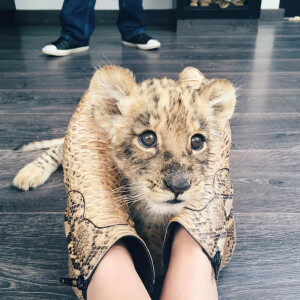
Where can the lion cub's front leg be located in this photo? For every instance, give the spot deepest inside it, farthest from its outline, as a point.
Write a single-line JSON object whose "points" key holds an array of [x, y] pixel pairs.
{"points": [[38, 171]]}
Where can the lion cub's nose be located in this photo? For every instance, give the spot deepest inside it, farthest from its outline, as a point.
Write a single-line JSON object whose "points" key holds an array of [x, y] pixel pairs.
{"points": [[177, 183]]}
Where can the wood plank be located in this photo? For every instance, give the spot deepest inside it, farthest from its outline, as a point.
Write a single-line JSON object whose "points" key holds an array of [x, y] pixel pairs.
{"points": [[171, 37], [52, 31], [265, 264], [126, 54], [33, 252], [193, 43], [170, 65], [38, 94], [210, 28], [264, 181], [249, 101], [14, 101], [265, 131], [18, 129], [34, 256], [267, 101], [79, 81], [250, 131]]}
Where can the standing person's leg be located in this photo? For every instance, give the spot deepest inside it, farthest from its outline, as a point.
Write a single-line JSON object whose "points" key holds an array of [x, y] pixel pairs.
{"points": [[77, 19], [131, 20], [131, 24]]}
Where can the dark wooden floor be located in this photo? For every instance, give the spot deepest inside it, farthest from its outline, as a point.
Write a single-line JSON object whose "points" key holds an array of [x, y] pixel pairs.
{"points": [[39, 93]]}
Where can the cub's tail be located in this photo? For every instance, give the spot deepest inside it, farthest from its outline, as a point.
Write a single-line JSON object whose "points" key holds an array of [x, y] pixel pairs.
{"points": [[38, 171], [40, 145]]}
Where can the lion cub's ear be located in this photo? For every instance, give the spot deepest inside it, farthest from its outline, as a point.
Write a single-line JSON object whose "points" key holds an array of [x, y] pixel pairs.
{"points": [[221, 98], [192, 77], [110, 89]]}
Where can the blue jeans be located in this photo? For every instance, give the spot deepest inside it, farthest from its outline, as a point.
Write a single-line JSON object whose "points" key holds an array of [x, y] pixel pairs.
{"points": [[77, 19]]}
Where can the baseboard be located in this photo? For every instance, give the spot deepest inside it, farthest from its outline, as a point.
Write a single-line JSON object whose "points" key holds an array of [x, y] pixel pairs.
{"points": [[7, 18], [155, 16], [7, 10], [217, 26], [270, 15], [292, 7]]}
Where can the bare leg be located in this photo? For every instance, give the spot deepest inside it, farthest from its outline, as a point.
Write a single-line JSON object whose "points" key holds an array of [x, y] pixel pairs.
{"points": [[116, 278], [190, 274]]}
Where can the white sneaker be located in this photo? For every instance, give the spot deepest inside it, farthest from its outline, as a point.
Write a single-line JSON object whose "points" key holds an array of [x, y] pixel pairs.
{"points": [[62, 47], [142, 42]]}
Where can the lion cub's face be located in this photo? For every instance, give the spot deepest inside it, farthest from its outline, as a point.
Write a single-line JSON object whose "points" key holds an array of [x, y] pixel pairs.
{"points": [[160, 132]]}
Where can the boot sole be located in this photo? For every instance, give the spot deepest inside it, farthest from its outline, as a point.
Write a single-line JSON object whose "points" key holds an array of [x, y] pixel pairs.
{"points": [[64, 52], [141, 46]]}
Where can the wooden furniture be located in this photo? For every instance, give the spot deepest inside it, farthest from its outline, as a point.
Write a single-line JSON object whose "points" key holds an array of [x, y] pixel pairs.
{"points": [[250, 10]]}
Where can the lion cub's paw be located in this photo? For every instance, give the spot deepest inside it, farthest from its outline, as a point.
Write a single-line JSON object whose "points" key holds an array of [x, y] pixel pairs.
{"points": [[30, 176]]}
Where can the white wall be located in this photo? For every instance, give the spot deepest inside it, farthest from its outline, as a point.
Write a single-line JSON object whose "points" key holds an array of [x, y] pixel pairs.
{"points": [[100, 4], [270, 4], [113, 4]]}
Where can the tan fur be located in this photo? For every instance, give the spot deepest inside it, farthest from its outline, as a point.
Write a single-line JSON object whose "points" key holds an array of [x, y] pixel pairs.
{"points": [[40, 145], [38, 171], [175, 111]]}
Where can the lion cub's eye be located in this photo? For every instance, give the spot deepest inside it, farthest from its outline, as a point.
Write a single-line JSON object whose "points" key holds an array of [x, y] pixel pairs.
{"points": [[148, 139], [197, 141]]}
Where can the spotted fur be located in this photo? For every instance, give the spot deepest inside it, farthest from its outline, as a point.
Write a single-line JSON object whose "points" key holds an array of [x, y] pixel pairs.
{"points": [[175, 111], [38, 171]]}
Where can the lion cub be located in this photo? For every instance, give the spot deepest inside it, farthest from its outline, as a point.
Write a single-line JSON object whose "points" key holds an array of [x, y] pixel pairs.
{"points": [[160, 133]]}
